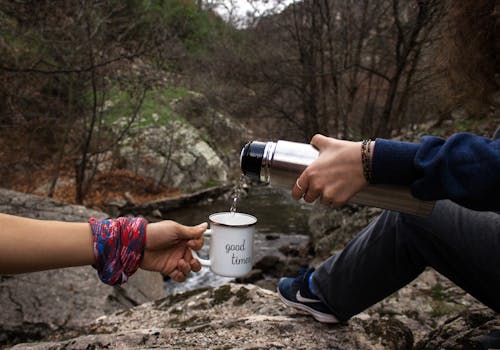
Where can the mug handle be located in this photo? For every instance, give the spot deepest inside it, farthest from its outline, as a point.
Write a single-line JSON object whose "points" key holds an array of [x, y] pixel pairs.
{"points": [[203, 262]]}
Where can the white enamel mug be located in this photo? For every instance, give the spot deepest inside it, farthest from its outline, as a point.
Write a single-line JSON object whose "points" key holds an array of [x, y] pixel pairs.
{"points": [[231, 244]]}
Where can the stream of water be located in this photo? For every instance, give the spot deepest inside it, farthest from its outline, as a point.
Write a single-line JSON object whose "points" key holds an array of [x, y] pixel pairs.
{"points": [[275, 210]]}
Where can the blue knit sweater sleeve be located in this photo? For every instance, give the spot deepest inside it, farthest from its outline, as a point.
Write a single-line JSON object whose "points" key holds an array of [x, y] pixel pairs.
{"points": [[464, 168]]}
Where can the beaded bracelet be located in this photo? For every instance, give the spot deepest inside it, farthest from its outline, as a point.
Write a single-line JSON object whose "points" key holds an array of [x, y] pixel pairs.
{"points": [[366, 160], [118, 247]]}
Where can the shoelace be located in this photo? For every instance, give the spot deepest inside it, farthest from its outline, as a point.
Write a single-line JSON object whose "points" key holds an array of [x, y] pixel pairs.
{"points": [[300, 276]]}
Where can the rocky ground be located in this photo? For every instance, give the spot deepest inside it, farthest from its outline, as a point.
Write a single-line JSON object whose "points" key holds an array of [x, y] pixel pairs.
{"points": [[248, 317], [72, 310]]}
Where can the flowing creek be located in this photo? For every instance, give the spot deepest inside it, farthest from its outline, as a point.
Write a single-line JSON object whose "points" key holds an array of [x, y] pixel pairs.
{"points": [[281, 220]]}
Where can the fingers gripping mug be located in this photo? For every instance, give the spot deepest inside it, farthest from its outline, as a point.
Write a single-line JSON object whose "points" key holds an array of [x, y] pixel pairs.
{"points": [[231, 244]]}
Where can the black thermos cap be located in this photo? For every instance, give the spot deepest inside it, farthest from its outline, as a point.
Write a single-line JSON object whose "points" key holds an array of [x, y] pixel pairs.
{"points": [[251, 159]]}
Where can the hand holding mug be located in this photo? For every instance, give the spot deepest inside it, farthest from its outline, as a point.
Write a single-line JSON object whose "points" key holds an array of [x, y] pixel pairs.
{"points": [[169, 248]]}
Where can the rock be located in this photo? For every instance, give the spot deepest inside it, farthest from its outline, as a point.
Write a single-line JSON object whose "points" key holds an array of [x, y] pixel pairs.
{"points": [[224, 134], [271, 264], [463, 331], [62, 182], [157, 208], [495, 99], [231, 317], [156, 213], [36, 304], [251, 277], [279, 256], [35, 207], [174, 154], [426, 302], [269, 284], [331, 229], [282, 247], [459, 114], [190, 146], [113, 207]]}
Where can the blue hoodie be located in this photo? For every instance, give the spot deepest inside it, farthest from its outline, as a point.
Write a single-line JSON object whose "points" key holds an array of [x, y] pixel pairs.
{"points": [[464, 168]]}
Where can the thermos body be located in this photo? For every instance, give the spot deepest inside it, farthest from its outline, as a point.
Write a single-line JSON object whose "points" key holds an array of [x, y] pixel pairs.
{"points": [[281, 163], [284, 161]]}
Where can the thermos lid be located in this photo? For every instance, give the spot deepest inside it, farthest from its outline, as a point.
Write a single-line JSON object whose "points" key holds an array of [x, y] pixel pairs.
{"points": [[251, 159]]}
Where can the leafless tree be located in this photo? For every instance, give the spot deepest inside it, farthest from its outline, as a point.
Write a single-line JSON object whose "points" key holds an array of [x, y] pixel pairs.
{"points": [[341, 67], [80, 51]]}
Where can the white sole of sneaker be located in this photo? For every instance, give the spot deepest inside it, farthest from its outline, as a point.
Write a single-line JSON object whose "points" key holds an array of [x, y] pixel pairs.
{"points": [[319, 316]]}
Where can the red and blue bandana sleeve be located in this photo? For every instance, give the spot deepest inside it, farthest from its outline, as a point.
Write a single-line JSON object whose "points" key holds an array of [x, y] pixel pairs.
{"points": [[118, 247]]}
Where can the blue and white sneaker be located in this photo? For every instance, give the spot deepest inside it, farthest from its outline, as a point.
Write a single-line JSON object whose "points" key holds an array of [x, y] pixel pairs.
{"points": [[295, 292]]}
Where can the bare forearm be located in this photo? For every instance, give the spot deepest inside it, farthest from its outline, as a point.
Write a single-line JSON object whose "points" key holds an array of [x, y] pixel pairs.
{"points": [[32, 245]]}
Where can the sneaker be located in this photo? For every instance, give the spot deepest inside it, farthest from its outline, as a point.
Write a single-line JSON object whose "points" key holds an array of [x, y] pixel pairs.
{"points": [[295, 292]]}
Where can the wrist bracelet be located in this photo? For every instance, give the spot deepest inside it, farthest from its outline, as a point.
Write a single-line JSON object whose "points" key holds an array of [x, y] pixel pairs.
{"points": [[366, 160], [118, 247]]}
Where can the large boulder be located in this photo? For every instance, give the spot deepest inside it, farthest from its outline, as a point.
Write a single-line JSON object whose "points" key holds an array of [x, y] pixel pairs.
{"points": [[187, 144], [231, 317], [36, 304], [173, 154], [223, 133], [248, 317]]}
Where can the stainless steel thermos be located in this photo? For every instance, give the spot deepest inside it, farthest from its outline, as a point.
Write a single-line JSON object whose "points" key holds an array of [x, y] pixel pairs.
{"points": [[280, 164]]}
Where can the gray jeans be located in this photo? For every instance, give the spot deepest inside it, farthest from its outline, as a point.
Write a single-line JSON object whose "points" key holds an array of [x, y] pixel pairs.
{"points": [[461, 244]]}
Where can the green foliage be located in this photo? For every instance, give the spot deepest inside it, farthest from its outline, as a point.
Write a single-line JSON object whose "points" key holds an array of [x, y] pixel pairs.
{"points": [[158, 102], [173, 93], [443, 303], [438, 292], [211, 183], [442, 308], [464, 125], [473, 123], [437, 132], [155, 108], [183, 19], [222, 294]]}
